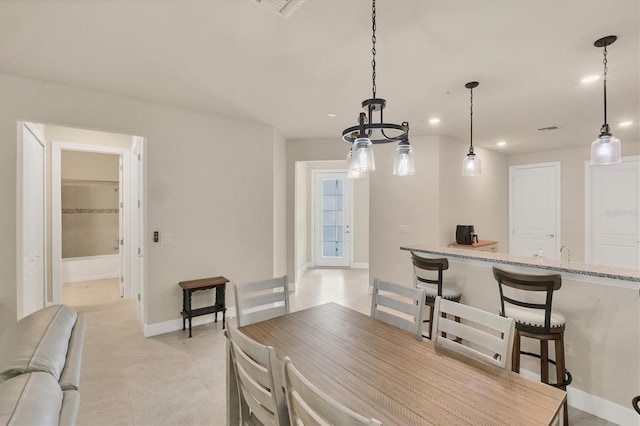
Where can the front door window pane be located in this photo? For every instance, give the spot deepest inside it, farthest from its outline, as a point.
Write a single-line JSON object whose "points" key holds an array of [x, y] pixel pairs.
{"points": [[332, 216]]}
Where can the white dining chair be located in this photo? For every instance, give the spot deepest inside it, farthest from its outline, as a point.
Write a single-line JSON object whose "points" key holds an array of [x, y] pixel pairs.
{"points": [[261, 300], [479, 334], [398, 305], [259, 381], [308, 405]]}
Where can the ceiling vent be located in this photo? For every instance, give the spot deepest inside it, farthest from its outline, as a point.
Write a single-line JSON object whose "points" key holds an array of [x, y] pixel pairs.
{"points": [[284, 8], [548, 129]]}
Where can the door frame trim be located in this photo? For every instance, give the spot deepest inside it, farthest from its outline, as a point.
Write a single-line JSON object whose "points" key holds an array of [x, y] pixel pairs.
{"points": [[558, 167], [312, 182]]}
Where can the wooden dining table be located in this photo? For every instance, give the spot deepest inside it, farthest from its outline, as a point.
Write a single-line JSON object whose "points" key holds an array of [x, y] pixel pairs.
{"points": [[386, 373]]}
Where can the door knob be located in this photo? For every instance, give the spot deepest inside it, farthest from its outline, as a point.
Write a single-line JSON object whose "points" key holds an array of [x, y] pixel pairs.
{"points": [[551, 235]]}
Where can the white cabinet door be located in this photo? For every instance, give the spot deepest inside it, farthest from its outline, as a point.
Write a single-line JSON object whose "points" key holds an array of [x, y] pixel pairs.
{"points": [[534, 199], [613, 214], [33, 222]]}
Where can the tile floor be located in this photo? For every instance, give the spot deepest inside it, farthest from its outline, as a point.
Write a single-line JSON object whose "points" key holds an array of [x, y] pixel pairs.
{"points": [[128, 379]]}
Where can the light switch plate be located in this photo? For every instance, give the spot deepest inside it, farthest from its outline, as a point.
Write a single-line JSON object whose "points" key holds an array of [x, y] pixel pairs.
{"points": [[166, 238]]}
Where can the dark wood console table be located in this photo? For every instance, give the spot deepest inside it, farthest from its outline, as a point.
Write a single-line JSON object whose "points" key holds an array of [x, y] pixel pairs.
{"points": [[188, 287]]}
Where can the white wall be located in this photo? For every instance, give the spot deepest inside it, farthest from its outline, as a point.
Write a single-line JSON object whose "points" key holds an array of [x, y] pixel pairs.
{"points": [[89, 166], [411, 201], [279, 205], [481, 201], [221, 216]]}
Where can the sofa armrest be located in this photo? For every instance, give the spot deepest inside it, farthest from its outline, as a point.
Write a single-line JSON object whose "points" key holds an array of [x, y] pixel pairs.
{"points": [[70, 408], [30, 399], [70, 376]]}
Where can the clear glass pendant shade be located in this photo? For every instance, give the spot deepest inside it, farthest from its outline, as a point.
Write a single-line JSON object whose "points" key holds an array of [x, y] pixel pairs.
{"points": [[471, 165], [351, 172], [606, 150], [362, 156], [403, 160]]}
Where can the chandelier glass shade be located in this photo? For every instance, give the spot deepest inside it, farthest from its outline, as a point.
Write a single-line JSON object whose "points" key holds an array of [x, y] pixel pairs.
{"points": [[471, 163], [371, 129], [403, 160], [607, 149]]}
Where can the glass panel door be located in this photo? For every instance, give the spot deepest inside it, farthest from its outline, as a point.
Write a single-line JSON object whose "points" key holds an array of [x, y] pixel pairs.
{"points": [[332, 199]]}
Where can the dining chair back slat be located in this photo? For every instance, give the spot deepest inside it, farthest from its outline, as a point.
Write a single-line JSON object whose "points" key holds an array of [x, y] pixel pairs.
{"points": [[308, 405], [261, 300], [258, 377], [398, 305], [478, 334]]}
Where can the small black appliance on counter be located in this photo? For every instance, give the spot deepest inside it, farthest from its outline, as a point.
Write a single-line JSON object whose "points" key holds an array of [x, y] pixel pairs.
{"points": [[465, 234]]}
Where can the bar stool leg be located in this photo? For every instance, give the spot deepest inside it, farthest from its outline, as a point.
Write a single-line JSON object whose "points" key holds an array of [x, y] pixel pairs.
{"points": [[515, 356], [431, 321], [544, 361], [560, 367]]}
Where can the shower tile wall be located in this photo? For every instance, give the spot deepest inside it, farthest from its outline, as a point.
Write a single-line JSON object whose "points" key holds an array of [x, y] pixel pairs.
{"points": [[89, 218]]}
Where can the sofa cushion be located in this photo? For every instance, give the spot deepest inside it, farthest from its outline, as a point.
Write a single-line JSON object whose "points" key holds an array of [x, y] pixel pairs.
{"points": [[30, 399], [38, 342]]}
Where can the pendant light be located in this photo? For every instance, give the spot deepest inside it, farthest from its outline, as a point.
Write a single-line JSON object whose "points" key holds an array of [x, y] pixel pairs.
{"points": [[607, 148], [471, 163], [370, 131]]}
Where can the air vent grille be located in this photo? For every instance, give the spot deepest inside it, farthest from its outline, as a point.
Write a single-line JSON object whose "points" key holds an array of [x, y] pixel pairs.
{"points": [[284, 8]]}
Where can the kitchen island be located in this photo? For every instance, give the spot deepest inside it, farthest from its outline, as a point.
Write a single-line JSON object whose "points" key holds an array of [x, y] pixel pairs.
{"points": [[602, 308]]}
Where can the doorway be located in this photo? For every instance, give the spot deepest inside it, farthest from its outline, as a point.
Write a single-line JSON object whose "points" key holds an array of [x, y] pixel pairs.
{"points": [[534, 210], [332, 218], [90, 192]]}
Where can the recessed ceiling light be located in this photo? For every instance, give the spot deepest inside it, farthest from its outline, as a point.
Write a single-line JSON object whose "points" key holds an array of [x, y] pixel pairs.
{"points": [[625, 123], [590, 79], [331, 115], [434, 120], [501, 143]]}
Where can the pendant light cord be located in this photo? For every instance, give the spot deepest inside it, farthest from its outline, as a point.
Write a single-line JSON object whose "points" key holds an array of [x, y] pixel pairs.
{"points": [[605, 126], [471, 123], [373, 48]]}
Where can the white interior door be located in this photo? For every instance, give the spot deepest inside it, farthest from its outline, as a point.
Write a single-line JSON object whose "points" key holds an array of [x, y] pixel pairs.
{"points": [[138, 201], [332, 218], [121, 250], [613, 218], [33, 286], [534, 210]]}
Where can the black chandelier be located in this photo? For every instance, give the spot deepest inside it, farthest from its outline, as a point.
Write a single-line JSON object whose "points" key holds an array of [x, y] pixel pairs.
{"points": [[368, 131]]}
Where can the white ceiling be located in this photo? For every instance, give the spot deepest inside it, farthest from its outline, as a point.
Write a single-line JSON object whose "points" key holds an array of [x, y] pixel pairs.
{"points": [[235, 58]]}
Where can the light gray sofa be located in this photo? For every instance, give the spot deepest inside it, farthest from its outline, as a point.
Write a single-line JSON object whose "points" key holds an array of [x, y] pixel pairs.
{"points": [[40, 358]]}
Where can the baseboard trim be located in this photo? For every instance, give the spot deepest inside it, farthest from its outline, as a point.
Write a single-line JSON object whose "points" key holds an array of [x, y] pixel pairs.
{"points": [[302, 270], [594, 405], [156, 329], [359, 265]]}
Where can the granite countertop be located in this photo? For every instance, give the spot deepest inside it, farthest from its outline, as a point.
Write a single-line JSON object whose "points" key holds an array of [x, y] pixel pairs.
{"points": [[612, 272]]}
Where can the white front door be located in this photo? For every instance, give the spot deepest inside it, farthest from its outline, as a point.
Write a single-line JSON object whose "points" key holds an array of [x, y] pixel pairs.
{"points": [[332, 218], [33, 286], [613, 214], [534, 210]]}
